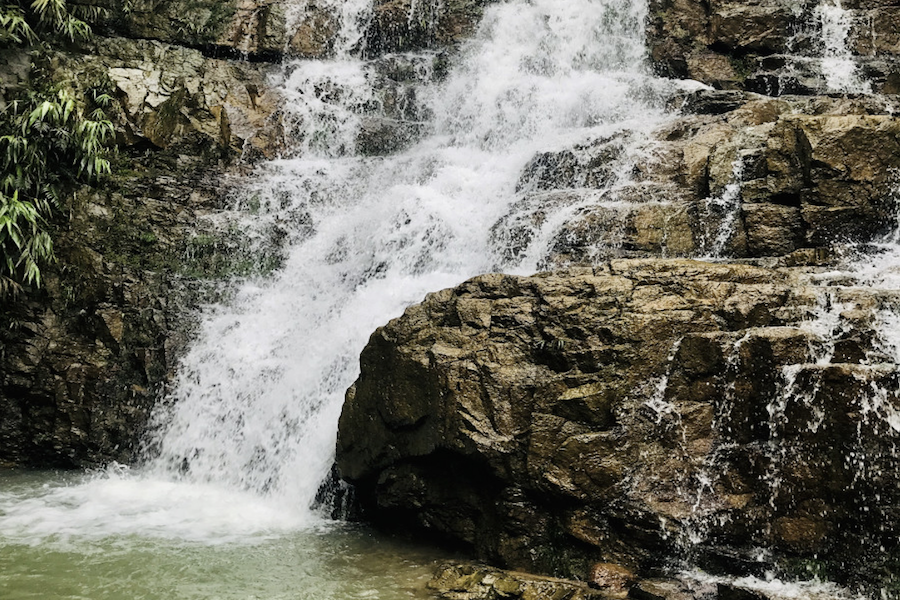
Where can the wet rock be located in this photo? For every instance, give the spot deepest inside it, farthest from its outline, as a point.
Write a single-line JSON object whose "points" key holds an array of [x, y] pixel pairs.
{"points": [[15, 73], [315, 33], [769, 47], [742, 176], [547, 406], [772, 229], [613, 580], [732, 592], [404, 25], [763, 27], [379, 135], [190, 23], [249, 27], [84, 359], [712, 102], [468, 581], [661, 589], [608, 414], [708, 42]]}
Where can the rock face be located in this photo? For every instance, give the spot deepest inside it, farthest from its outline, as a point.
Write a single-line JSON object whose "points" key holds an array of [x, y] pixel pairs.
{"points": [[403, 25], [267, 29], [635, 413], [774, 47], [172, 95], [738, 175], [84, 359]]}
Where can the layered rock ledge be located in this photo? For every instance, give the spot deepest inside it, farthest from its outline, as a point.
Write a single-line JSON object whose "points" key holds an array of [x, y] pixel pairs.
{"points": [[640, 413]]}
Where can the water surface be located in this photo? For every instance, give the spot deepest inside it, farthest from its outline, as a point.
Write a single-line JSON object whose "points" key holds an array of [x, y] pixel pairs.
{"points": [[48, 551]]}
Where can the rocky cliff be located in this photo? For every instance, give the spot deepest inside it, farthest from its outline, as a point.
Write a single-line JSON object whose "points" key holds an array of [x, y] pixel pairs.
{"points": [[650, 412], [85, 357]]}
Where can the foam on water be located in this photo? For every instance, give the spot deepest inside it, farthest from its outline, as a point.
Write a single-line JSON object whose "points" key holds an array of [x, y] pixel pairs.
{"points": [[118, 503], [777, 589]]}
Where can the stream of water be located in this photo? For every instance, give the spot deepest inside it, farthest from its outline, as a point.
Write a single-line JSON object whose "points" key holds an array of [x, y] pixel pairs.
{"points": [[247, 435], [223, 507]]}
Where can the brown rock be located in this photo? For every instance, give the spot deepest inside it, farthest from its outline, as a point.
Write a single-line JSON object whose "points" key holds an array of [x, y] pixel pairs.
{"points": [[627, 406], [713, 69], [614, 580], [315, 33], [466, 581]]}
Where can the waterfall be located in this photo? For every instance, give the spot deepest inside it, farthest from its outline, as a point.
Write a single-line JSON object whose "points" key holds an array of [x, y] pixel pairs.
{"points": [[395, 173], [256, 401], [837, 64]]}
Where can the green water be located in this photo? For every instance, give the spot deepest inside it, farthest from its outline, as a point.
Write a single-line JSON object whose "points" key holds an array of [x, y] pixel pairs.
{"points": [[320, 562]]}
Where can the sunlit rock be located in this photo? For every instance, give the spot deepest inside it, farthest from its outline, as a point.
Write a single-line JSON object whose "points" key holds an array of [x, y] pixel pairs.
{"points": [[646, 409]]}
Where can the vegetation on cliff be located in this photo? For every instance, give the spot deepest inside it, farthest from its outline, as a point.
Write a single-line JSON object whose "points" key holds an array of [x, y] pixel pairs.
{"points": [[49, 140]]}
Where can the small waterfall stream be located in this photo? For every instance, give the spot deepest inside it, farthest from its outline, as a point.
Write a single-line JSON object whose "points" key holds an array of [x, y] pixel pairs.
{"points": [[837, 64]]}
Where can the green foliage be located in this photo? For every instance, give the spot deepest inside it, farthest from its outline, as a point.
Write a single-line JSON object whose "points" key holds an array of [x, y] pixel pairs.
{"points": [[48, 142], [28, 22], [14, 28]]}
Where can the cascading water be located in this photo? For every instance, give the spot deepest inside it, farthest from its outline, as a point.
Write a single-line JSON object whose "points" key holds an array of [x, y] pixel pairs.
{"points": [[244, 440], [818, 56], [837, 65], [257, 399]]}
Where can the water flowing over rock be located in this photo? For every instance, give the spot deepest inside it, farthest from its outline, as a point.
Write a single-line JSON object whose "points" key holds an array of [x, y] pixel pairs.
{"points": [[639, 413], [738, 175], [776, 48], [627, 414]]}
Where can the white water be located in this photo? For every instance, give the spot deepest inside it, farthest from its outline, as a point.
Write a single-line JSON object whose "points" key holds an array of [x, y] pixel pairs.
{"points": [[775, 588], [837, 64], [247, 434], [722, 213]]}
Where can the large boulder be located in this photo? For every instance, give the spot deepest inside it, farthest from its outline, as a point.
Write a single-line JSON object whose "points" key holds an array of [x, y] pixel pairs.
{"points": [[626, 414]]}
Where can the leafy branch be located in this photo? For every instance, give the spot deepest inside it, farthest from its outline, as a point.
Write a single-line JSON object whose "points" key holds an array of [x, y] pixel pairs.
{"points": [[23, 22], [49, 141]]}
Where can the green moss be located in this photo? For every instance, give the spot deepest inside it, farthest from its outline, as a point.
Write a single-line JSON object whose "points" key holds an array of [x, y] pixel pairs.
{"points": [[226, 254], [743, 66], [806, 568], [195, 22]]}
